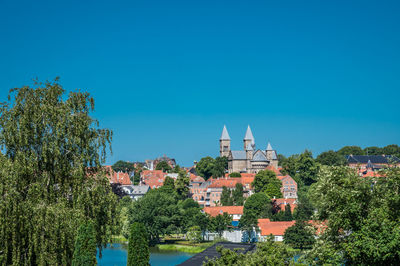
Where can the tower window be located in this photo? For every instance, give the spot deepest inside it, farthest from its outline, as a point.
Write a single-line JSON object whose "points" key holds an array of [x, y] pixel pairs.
{"points": [[225, 148]]}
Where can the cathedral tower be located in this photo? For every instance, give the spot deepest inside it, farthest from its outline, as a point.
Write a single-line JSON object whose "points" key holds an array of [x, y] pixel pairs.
{"points": [[224, 143], [248, 139]]}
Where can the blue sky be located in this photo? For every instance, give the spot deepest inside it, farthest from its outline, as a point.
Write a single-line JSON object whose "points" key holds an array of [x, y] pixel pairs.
{"points": [[167, 75]]}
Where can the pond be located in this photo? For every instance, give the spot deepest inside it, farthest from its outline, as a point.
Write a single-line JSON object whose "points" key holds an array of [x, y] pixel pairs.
{"points": [[117, 254]]}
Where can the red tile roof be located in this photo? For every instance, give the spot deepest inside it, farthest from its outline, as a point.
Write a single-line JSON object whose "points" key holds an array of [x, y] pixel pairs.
{"points": [[273, 169], [117, 177], [214, 211], [275, 228], [283, 202], [224, 182]]}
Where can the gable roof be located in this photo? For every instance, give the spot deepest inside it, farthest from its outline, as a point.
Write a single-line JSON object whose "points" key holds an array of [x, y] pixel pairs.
{"points": [[374, 159], [214, 211], [269, 147], [275, 228], [225, 135], [259, 156], [228, 182], [238, 155]]}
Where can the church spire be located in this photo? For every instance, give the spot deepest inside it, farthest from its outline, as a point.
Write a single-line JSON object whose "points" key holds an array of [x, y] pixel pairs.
{"points": [[225, 134], [249, 134], [269, 147]]}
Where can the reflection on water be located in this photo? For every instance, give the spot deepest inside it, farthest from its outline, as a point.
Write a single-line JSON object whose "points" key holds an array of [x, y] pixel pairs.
{"points": [[116, 255]]}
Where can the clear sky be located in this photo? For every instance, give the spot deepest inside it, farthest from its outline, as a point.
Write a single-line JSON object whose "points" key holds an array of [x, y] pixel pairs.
{"points": [[167, 75]]}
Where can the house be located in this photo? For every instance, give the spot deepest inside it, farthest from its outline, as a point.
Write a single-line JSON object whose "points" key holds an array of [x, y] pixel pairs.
{"points": [[362, 162], [250, 159], [277, 229], [117, 177], [235, 211], [136, 192], [289, 187], [214, 189], [198, 189], [153, 178], [281, 203], [151, 164]]}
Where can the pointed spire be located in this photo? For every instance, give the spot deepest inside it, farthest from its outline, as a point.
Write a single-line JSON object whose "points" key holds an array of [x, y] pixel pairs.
{"points": [[269, 147], [370, 165], [225, 135], [249, 134]]}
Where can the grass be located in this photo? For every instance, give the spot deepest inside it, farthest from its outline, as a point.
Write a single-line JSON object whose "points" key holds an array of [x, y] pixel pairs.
{"points": [[184, 246], [119, 239]]}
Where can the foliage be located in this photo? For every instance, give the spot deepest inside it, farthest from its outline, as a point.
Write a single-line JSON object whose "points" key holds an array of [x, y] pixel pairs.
{"points": [[226, 199], [354, 150], [85, 246], [363, 215], [237, 195], [208, 167], [138, 249], [194, 234], [158, 212], [123, 206], [164, 166], [256, 206], [52, 149], [205, 167], [235, 174], [168, 185], [331, 158], [220, 223], [182, 185], [304, 209], [266, 181], [122, 166], [287, 216], [267, 253], [220, 165], [116, 188], [299, 236]]}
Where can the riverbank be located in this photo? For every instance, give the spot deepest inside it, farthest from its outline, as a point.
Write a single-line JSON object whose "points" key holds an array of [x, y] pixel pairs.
{"points": [[185, 246]]}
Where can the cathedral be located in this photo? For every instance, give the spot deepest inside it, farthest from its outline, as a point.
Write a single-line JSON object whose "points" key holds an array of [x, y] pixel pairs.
{"points": [[250, 159]]}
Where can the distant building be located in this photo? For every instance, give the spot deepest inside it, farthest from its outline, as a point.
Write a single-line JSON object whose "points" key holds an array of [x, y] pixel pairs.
{"points": [[281, 203], [235, 212], [151, 164], [277, 229], [117, 177], [289, 187], [250, 159], [136, 192], [362, 162]]}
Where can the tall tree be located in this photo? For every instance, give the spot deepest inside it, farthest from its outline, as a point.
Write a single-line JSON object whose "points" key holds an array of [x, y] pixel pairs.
{"points": [[287, 216], [256, 206], [182, 185], [354, 150], [205, 167], [164, 166], [237, 195], [220, 165], [122, 166], [138, 248], [306, 168], [299, 236], [226, 199], [266, 181], [331, 158], [220, 223], [85, 246], [51, 179]]}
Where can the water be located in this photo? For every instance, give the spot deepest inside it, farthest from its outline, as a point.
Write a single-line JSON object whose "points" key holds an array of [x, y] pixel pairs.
{"points": [[116, 255]]}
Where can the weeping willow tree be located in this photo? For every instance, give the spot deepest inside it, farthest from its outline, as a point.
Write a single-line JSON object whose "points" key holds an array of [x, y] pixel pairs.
{"points": [[50, 175]]}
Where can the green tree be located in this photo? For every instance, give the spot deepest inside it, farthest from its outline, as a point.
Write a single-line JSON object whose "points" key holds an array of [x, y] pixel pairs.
{"points": [[123, 206], [392, 149], [235, 174], [266, 181], [237, 195], [168, 185], [226, 199], [164, 166], [363, 215], [304, 209], [85, 246], [220, 165], [158, 212], [205, 167], [182, 185], [256, 206], [354, 150], [331, 158], [138, 248], [373, 150], [220, 223], [122, 166], [287, 216], [51, 180], [299, 236], [267, 253], [306, 168], [194, 234]]}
